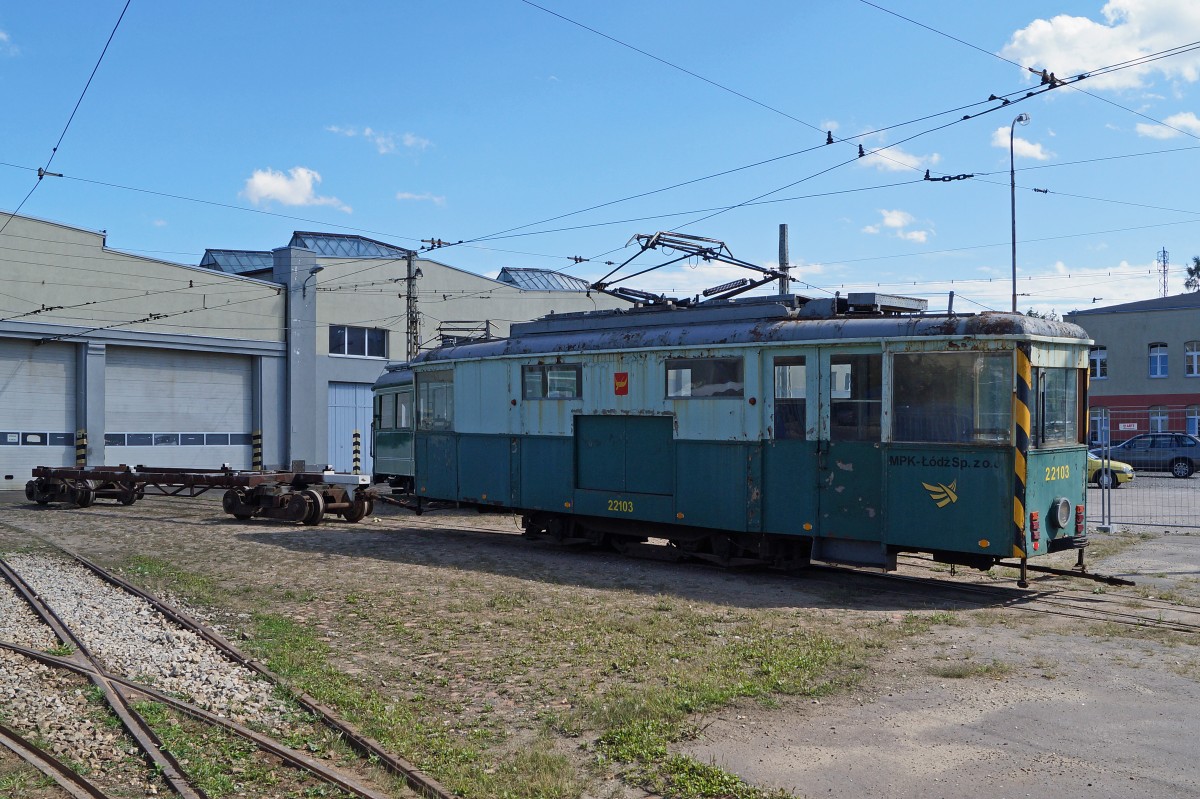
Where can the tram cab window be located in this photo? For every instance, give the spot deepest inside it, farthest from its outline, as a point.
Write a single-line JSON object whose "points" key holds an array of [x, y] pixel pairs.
{"points": [[1054, 407], [704, 378], [855, 397], [953, 397], [790, 397], [387, 414], [435, 401]]}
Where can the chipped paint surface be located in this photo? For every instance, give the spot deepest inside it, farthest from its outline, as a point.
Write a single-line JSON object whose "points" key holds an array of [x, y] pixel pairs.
{"points": [[845, 467]]}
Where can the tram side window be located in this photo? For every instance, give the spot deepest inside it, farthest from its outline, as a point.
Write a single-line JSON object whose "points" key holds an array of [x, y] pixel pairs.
{"points": [[952, 397], [388, 411], [790, 397], [1055, 410], [435, 401], [552, 381], [703, 378], [855, 397], [404, 411]]}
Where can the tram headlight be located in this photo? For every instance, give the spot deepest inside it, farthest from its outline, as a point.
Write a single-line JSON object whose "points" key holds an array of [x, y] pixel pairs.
{"points": [[1061, 513]]}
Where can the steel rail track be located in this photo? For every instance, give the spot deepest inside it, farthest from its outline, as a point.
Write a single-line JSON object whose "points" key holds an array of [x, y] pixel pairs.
{"points": [[417, 780], [52, 767], [133, 722], [1110, 598], [1005, 595], [290, 756], [1023, 601]]}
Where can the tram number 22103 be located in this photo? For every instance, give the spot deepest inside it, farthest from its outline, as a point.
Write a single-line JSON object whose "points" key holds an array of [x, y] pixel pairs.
{"points": [[1058, 473], [620, 506]]}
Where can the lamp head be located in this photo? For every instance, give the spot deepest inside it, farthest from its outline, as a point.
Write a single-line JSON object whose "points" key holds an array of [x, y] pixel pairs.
{"points": [[1023, 119]]}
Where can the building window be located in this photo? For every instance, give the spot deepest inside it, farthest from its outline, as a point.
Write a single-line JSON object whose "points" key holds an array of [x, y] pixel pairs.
{"points": [[1158, 419], [552, 381], [1098, 363], [1192, 419], [1191, 359], [365, 342], [703, 378], [1158, 360]]}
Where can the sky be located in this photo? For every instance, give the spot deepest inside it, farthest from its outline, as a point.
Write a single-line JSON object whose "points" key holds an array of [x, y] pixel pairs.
{"points": [[542, 134]]}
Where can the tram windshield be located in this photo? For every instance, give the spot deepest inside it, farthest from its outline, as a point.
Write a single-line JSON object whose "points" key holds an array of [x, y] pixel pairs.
{"points": [[955, 397], [1055, 409]]}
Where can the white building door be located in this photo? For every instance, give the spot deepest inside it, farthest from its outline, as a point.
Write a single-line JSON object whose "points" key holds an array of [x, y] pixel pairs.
{"points": [[37, 408], [349, 410]]}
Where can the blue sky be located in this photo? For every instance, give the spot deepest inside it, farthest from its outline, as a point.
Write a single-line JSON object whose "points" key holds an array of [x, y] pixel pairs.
{"points": [[458, 121]]}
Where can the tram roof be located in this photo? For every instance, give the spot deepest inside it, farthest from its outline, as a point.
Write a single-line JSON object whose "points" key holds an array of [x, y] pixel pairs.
{"points": [[395, 374], [760, 320]]}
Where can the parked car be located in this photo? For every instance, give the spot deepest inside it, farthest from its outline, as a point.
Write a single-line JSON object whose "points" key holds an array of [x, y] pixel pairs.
{"points": [[1177, 453], [1116, 475]]}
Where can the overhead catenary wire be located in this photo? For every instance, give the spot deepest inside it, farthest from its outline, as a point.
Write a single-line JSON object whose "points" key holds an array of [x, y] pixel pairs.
{"points": [[54, 151]]}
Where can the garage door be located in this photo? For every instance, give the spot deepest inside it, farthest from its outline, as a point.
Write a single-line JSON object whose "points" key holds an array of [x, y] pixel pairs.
{"points": [[349, 410], [177, 408], [37, 408]]}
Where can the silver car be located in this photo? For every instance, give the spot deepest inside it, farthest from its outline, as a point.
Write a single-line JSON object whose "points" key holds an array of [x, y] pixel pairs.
{"points": [[1177, 453]]}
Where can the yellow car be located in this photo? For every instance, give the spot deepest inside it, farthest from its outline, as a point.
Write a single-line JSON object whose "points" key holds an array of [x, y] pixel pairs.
{"points": [[1097, 474]]}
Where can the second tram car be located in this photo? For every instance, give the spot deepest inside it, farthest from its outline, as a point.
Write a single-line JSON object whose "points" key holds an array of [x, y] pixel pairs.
{"points": [[773, 429]]}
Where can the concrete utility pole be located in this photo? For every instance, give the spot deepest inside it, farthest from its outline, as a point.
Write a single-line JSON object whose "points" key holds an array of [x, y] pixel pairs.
{"points": [[784, 282]]}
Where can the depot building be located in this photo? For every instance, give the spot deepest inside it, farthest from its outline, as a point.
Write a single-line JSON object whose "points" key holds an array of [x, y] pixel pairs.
{"points": [[113, 358]]}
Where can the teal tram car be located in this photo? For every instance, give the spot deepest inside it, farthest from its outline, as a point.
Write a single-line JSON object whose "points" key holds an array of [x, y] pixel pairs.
{"points": [[392, 426], [775, 429]]}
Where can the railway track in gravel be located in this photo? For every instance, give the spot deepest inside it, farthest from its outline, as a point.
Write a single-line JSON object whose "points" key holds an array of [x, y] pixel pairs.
{"points": [[74, 654], [1110, 607]]}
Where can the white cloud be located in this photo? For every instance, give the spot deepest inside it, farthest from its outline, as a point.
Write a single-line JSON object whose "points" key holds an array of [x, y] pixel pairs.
{"points": [[898, 222], [436, 199], [297, 187], [1175, 125], [1067, 45], [893, 159], [159, 223], [6, 45], [384, 142], [1022, 148], [414, 142]]}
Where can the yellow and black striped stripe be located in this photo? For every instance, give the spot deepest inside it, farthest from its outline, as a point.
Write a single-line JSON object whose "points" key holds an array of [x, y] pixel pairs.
{"points": [[256, 462], [81, 447], [1021, 417]]}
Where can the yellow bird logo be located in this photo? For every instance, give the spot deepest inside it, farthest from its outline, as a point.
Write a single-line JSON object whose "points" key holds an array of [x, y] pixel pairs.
{"points": [[943, 495]]}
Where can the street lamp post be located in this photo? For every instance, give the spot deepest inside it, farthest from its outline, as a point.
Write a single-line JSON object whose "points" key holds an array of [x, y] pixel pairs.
{"points": [[1012, 183]]}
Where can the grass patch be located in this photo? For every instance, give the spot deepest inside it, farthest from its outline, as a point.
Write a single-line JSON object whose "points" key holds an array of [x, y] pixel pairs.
{"points": [[965, 669], [223, 764], [156, 574]]}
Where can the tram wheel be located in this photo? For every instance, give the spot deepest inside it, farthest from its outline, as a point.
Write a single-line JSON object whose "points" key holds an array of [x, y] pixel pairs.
{"points": [[85, 494]]}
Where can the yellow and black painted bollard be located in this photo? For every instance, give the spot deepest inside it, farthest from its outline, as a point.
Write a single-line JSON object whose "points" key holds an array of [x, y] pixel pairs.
{"points": [[357, 453], [81, 447], [256, 441]]}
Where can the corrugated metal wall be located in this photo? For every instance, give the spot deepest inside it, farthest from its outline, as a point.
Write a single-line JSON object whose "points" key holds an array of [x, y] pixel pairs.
{"points": [[37, 408], [178, 408], [349, 410]]}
